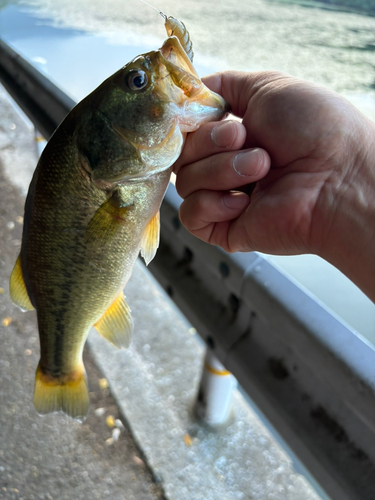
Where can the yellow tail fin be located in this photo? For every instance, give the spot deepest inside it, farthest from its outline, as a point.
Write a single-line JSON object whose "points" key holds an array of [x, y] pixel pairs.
{"points": [[68, 394]]}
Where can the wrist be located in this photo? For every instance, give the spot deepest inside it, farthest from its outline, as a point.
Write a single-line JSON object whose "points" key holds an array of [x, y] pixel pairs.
{"points": [[349, 236]]}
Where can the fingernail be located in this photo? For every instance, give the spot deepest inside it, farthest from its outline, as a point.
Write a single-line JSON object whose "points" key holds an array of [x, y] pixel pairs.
{"points": [[247, 164], [224, 134], [235, 200]]}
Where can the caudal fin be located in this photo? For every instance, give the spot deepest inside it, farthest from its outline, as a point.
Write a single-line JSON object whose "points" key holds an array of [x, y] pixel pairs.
{"points": [[68, 393]]}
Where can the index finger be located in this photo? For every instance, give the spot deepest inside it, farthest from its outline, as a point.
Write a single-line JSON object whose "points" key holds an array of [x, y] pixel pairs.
{"points": [[210, 139]]}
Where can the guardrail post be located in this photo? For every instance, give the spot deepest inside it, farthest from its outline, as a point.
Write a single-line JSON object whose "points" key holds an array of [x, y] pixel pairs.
{"points": [[215, 391]]}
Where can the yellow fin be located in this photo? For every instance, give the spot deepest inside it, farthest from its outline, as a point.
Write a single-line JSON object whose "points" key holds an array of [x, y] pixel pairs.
{"points": [[150, 239], [18, 292], [116, 324], [107, 220], [68, 394]]}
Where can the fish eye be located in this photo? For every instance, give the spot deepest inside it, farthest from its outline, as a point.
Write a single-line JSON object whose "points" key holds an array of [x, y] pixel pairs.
{"points": [[136, 79]]}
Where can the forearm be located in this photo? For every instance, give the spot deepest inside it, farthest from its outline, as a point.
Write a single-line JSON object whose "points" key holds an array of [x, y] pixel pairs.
{"points": [[350, 243]]}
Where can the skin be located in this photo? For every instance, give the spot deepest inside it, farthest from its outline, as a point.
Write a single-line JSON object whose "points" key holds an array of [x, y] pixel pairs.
{"points": [[307, 181]]}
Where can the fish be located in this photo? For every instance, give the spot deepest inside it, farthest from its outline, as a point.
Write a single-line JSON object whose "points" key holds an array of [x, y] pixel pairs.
{"points": [[93, 207]]}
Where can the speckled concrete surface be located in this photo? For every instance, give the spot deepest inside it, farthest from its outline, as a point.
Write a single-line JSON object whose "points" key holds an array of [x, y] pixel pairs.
{"points": [[52, 457]]}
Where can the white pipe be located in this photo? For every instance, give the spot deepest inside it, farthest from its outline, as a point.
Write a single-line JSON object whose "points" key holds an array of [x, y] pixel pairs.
{"points": [[215, 392]]}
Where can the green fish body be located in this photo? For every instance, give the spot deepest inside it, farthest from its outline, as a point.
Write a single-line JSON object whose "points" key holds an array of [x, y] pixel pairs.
{"points": [[93, 206]]}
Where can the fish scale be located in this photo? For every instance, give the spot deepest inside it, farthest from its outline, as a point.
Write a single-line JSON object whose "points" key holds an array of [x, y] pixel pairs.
{"points": [[93, 206]]}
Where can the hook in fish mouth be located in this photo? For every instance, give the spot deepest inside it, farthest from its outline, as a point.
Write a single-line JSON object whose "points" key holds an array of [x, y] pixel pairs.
{"points": [[185, 87], [180, 67]]}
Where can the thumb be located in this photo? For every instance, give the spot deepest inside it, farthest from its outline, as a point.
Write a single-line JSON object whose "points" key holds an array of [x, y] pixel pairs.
{"points": [[238, 87]]}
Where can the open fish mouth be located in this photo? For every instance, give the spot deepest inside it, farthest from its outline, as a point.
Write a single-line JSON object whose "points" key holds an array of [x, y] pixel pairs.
{"points": [[181, 83]]}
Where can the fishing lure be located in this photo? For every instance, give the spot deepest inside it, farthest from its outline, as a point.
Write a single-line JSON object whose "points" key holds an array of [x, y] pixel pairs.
{"points": [[176, 28]]}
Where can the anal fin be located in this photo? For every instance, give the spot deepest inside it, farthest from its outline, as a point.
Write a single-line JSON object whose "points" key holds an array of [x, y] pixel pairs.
{"points": [[116, 324], [17, 288], [68, 393], [150, 239]]}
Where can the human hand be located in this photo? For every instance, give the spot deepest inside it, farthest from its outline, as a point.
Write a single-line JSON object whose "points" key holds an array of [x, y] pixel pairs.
{"points": [[311, 146]]}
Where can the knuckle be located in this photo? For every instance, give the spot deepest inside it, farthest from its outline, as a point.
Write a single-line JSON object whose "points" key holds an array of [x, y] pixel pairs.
{"points": [[218, 168], [185, 216], [212, 166], [200, 143], [191, 210], [199, 203], [180, 184], [197, 146]]}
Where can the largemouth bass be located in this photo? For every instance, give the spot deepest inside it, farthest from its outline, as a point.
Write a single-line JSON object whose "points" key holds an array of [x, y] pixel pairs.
{"points": [[93, 206]]}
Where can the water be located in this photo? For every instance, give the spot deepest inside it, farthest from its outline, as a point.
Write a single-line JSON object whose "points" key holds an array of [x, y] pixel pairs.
{"points": [[81, 42], [332, 48]]}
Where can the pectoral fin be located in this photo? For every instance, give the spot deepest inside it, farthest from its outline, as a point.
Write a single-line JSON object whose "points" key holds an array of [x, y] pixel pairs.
{"points": [[108, 219], [116, 324], [18, 292], [150, 239]]}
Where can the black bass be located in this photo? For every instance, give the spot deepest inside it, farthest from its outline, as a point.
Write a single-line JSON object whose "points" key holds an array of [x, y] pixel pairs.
{"points": [[93, 206]]}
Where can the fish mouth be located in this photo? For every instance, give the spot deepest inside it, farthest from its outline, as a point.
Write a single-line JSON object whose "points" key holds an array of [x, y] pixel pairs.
{"points": [[180, 83]]}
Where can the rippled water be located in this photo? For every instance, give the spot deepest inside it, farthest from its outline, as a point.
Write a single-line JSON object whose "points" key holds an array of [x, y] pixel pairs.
{"points": [[332, 48]]}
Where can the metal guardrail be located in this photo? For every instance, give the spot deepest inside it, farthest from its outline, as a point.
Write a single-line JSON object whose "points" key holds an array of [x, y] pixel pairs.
{"points": [[311, 376], [44, 103]]}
